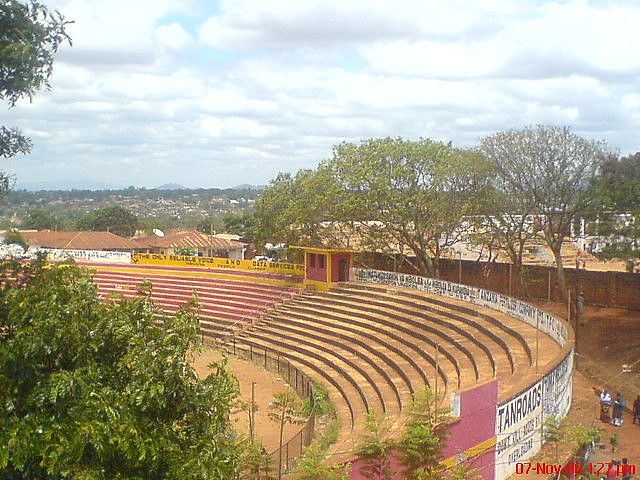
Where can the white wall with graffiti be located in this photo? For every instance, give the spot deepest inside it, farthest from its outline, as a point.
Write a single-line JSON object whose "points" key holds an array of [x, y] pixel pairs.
{"points": [[98, 256], [62, 254], [519, 419]]}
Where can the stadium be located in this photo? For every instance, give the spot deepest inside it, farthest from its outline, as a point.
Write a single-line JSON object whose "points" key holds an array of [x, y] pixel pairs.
{"points": [[373, 338]]}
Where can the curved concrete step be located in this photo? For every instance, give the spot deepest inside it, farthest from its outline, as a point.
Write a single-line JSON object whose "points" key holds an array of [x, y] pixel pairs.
{"points": [[393, 382]]}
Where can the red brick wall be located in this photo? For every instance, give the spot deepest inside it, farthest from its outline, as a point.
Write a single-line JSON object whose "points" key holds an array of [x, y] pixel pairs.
{"points": [[615, 289]]}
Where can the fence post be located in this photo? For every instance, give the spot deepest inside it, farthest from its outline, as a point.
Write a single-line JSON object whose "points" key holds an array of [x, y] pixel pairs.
{"points": [[265, 358], [251, 352], [287, 464], [278, 361]]}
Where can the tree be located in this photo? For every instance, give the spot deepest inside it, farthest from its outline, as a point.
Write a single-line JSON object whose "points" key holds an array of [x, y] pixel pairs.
{"points": [[114, 219], [614, 441], [375, 448], [207, 225], [552, 168], [552, 433], [92, 389], [186, 251], [409, 195], [505, 224], [584, 436], [386, 195], [29, 38], [616, 190], [420, 448], [285, 409], [312, 465], [41, 220], [13, 237], [242, 224], [256, 461]]}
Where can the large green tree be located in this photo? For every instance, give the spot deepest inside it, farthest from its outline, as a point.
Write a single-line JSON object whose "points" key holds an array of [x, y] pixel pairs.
{"points": [[114, 219], [388, 195], [30, 35], [94, 390], [551, 168], [409, 196]]}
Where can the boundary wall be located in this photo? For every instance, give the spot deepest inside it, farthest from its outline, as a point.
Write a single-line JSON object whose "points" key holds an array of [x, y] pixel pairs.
{"points": [[97, 256], [604, 288], [519, 419]]}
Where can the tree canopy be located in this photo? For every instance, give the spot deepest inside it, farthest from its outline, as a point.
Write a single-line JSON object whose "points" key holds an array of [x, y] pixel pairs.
{"points": [[551, 169], [114, 219], [616, 191], [41, 220], [92, 389], [389, 195], [30, 36]]}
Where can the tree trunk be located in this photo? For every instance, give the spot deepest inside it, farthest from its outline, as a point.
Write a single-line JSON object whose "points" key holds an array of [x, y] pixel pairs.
{"points": [[280, 450], [562, 284], [524, 288], [425, 265]]}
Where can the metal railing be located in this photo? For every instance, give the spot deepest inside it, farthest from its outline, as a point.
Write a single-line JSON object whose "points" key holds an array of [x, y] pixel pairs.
{"points": [[282, 459]]}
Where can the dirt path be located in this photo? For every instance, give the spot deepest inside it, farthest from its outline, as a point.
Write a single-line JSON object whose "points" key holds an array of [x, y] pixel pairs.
{"points": [[607, 339], [267, 384]]}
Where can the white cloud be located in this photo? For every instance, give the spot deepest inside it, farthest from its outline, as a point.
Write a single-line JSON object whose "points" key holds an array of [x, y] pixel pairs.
{"points": [[173, 36], [267, 86], [289, 24]]}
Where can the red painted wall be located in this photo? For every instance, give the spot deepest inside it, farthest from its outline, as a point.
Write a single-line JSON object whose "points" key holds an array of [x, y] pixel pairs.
{"points": [[335, 265], [476, 424], [315, 272]]}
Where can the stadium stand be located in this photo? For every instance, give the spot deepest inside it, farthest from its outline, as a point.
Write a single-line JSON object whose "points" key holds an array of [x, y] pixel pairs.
{"points": [[372, 345]]}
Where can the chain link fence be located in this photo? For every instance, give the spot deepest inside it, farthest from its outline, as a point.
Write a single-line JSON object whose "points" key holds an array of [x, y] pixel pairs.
{"points": [[281, 460]]}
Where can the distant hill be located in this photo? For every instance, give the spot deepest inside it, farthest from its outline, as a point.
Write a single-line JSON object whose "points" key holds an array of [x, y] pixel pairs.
{"points": [[247, 186], [171, 186]]}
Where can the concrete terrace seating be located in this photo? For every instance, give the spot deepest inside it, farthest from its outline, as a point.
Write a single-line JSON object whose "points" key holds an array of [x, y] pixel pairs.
{"points": [[374, 345], [224, 303]]}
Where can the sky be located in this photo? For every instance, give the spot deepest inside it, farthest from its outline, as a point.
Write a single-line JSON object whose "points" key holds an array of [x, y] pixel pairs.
{"points": [[219, 93]]}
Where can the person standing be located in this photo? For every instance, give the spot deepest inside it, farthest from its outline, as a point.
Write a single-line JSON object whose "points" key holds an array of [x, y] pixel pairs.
{"points": [[636, 410], [618, 405], [605, 405]]}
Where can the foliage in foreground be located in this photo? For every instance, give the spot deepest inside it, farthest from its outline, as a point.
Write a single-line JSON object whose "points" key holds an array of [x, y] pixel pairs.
{"points": [[419, 448], [92, 390]]}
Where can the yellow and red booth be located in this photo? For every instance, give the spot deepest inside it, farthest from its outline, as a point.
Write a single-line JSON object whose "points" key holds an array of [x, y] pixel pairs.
{"points": [[324, 267]]}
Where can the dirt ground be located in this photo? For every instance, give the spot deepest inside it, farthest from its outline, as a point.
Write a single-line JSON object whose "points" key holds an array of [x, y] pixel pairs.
{"points": [[267, 384], [607, 339]]}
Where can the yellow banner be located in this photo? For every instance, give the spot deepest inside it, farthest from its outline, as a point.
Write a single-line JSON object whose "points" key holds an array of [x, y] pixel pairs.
{"points": [[218, 263]]}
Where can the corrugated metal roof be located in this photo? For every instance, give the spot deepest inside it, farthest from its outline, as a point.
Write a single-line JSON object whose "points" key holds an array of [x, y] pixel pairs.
{"points": [[187, 239], [78, 240]]}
